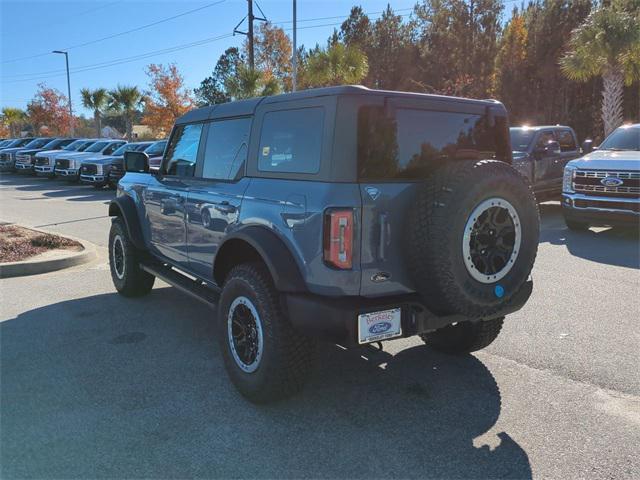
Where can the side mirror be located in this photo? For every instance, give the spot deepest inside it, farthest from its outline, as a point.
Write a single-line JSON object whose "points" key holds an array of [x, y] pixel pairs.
{"points": [[136, 162], [587, 146]]}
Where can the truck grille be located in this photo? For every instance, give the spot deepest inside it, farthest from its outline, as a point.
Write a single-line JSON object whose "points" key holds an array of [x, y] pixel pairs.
{"points": [[89, 169], [62, 163], [589, 182], [42, 161], [23, 158]]}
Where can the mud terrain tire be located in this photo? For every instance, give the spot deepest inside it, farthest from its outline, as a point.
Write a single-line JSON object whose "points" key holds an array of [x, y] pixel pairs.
{"points": [[447, 248]]}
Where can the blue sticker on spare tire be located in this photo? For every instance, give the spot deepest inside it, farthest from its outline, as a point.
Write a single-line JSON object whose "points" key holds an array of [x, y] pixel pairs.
{"points": [[379, 327], [499, 291]]}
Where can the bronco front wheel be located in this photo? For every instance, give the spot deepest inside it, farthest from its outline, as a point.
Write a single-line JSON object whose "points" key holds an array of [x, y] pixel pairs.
{"points": [[124, 262]]}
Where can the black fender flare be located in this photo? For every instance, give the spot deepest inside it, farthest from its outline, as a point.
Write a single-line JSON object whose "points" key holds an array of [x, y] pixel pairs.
{"points": [[125, 207], [272, 251]]}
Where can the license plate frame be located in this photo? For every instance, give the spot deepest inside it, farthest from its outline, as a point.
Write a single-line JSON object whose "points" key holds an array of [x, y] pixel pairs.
{"points": [[380, 325]]}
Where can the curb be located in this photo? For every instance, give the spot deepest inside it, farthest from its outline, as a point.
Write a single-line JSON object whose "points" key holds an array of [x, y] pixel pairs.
{"points": [[36, 267]]}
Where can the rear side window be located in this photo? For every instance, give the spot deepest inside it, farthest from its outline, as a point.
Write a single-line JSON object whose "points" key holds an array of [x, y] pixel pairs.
{"points": [[182, 151], [226, 148], [411, 142], [566, 141], [291, 141]]}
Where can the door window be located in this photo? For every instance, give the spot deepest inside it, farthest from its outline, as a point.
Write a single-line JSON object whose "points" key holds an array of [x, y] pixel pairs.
{"points": [[182, 151], [545, 138], [567, 142], [291, 141], [226, 148]]}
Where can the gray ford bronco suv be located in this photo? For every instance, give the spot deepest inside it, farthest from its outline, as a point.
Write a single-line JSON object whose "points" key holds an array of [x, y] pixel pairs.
{"points": [[343, 214]]}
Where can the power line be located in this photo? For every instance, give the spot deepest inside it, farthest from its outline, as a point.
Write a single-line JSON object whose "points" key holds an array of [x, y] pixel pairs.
{"points": [[126, 32], [119, 61]]}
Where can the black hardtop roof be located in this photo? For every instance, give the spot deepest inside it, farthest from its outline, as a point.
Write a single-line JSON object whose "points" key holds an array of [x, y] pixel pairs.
{"points": [[247, 107]]}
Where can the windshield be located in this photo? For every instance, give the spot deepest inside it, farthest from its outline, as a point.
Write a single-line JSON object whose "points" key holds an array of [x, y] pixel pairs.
{"points": [[37, 143], [127, 147], [624, 138], [22, 142], [156, 148], [141, 147], [97, 147], [74, 146], [85, 145], [521, 138], [52, 144]]}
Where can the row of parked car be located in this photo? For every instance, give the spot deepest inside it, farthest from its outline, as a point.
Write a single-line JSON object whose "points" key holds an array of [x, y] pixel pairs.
{"points": [[96, 161]]}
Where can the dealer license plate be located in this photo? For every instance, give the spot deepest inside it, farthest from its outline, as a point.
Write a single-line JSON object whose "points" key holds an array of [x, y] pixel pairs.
{"points": [[377, 326]]}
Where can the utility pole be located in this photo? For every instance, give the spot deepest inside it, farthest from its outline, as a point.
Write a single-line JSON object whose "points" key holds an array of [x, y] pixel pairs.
{"points": [[249, 33], [71, 122], [294, 59]]}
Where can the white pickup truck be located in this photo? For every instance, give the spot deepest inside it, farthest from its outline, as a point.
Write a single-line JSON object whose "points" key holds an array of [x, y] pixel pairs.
{"points": [[603, 187]]}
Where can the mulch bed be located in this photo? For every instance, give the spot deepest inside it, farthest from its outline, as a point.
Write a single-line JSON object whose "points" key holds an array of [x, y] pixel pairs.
{"points": [[19, 243]]}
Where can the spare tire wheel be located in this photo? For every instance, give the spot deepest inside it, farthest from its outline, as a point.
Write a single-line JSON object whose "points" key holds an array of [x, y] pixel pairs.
{"points": [[472, 237]]}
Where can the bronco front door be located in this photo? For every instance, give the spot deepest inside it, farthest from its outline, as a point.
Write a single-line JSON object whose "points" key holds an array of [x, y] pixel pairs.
{"points": [[166, 195]]}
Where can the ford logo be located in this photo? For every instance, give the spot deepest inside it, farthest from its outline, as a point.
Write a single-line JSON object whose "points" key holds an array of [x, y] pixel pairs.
{"points": [[611, 182], [379, 327]]}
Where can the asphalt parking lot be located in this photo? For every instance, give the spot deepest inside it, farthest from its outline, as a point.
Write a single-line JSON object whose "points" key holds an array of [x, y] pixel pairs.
{"points": [[96, 385]]}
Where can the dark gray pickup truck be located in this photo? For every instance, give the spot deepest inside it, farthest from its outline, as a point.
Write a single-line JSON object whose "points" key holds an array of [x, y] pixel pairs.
{"points": [[540, 154], [345, 214]]}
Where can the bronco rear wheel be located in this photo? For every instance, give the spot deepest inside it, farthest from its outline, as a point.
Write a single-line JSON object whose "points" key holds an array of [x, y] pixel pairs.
{"points": [[473, 237], [265, 357]]}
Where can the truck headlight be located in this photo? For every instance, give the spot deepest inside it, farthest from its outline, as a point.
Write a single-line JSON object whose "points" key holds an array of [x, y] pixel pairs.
{"points": [[567, 179]]}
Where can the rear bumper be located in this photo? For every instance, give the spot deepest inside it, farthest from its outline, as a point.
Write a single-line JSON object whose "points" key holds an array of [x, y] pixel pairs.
{"points": [[336, 319], [601, 211]]}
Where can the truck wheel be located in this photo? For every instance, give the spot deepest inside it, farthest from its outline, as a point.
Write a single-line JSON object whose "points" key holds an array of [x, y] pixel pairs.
{"points": [[464, 337], [575, 225], [266, 359], [472, 237], [124, 262]]}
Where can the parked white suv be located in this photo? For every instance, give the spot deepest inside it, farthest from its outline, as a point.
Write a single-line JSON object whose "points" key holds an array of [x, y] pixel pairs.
{"points": [[603, 187]]}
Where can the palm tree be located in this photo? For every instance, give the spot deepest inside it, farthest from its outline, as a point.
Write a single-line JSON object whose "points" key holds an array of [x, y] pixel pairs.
{"points": [[95, 100], [607, 44], [126, 100], [13, 117], [337, 65], [247, 83]]}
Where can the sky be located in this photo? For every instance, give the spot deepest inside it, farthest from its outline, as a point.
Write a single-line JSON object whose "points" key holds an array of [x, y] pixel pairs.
{"points": [[30, 30]]}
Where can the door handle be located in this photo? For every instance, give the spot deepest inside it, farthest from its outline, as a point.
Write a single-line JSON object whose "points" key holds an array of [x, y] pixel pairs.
{"points": [[225, 207]]}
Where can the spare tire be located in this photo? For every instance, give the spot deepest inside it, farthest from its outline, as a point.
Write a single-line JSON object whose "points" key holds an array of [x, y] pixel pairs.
{"points": [[472, 237]]}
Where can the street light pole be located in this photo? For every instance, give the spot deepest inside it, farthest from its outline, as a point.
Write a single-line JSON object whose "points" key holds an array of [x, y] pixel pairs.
{"points": [[66, 58], [294, 60]]}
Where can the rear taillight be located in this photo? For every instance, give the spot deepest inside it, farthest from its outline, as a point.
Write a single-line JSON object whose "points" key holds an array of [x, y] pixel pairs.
{"points": [[338, 238]]}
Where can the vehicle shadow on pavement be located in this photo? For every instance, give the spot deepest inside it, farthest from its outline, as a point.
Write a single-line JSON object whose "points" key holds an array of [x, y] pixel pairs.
{"points": [[613, 246], [74, 192], [106, 386]]}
